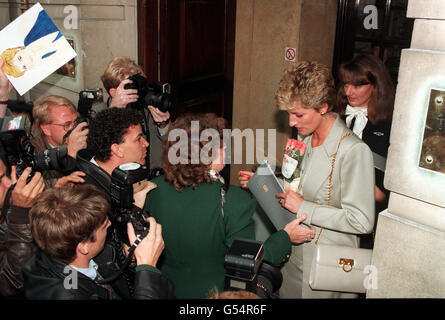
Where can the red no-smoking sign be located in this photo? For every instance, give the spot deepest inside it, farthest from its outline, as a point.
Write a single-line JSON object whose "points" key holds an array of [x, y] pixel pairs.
{"points": [[290, 54]]}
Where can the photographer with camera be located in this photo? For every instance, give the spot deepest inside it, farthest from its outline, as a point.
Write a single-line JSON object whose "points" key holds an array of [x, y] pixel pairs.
{"points": [[127, 86], [54, 117], [115, 139], [70, 226], [16, 242]]}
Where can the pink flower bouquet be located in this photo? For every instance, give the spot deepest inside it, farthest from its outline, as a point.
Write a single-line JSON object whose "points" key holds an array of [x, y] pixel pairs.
{"points": [[293, 156]]}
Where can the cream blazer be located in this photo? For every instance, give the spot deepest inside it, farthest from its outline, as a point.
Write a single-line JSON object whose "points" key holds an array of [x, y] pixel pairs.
{"points": [[350, 212]]}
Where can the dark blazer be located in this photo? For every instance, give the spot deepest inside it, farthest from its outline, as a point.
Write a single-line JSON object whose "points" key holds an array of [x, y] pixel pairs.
{"points": [[377, 139], [196, 238]]}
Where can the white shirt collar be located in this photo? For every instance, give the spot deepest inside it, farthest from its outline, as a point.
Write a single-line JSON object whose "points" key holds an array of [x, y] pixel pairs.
{"points": [[90, 272]]}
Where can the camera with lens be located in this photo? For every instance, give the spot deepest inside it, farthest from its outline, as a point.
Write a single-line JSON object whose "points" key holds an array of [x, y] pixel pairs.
{"points": [[246, 270], [121, 190], [156, 94], [87, 98], [20, 152]]}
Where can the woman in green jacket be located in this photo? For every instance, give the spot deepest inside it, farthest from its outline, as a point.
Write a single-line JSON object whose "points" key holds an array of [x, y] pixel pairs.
{"points": [[187, 203]]}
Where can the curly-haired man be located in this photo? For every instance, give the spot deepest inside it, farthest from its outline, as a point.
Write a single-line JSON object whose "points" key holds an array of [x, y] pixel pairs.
{"points": [[115, 138]]}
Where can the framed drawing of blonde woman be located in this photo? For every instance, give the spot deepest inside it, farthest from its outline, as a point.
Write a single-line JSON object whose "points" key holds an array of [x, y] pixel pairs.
{"points": [[32, 47]]}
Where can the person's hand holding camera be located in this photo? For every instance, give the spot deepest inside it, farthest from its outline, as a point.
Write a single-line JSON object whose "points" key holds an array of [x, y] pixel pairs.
{"points": [[150, 248], [160, 117], [74, 177], [25, 194], [121, 96], [77, 140]]}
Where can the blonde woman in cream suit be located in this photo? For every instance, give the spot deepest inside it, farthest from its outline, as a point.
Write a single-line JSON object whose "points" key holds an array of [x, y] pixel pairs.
{"points": [[307, 93]]}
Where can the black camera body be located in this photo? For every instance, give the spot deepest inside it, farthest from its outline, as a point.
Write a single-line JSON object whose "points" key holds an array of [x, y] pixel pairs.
{"points": [[156, 94], [121, 191], [86, 100], [246, 270], [21, 153]]}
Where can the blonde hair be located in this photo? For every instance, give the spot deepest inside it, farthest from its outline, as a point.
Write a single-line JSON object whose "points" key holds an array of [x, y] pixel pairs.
{"points": [[41, 112], [116, 71], [8, 58], [308, 82]]}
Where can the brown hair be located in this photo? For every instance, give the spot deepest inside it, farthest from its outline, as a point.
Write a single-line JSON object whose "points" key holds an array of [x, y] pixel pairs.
{"points": [[364, 69], [41, 112], [9, 67], [63, 217], [187, 173], [116, 71], [308, 82]]}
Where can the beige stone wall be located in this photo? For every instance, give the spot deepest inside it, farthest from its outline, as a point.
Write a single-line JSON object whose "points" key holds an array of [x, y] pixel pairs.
{"points": [[264, 29], [410, 235], [409, 260], [105, 29]]}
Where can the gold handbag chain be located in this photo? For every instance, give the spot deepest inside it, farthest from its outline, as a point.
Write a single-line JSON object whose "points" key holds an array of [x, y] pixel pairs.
{"points": [[330, 179]]}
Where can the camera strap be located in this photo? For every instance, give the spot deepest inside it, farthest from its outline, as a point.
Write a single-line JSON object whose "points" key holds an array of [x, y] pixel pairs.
{"points": [[223, 192], [138, 240], [67, 134]]}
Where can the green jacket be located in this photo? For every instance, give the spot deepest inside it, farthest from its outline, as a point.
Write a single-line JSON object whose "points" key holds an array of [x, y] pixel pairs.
{"points": [[194, 236]]}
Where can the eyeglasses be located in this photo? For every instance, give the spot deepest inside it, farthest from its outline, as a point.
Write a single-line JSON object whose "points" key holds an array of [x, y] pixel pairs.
{"points": [[66, 126]]}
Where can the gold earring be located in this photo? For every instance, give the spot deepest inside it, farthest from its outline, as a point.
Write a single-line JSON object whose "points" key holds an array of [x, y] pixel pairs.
{"points": [[322, 113]]}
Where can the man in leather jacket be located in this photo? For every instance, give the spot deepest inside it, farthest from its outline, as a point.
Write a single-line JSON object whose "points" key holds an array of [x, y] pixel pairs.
{"points": [[70, 225], [16, 242]]}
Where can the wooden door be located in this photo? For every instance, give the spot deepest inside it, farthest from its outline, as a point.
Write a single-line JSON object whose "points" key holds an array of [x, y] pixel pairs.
{"points": [[190, 44]]}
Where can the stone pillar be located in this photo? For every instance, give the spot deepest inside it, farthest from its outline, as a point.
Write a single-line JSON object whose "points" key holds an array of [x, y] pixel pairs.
{"points": [[409, 250]]}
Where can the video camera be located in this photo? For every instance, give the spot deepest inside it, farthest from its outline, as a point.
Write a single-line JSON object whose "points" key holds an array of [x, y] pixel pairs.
{"points": [[20, 152], [246, 270], [156, 94], [123, 209]]}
